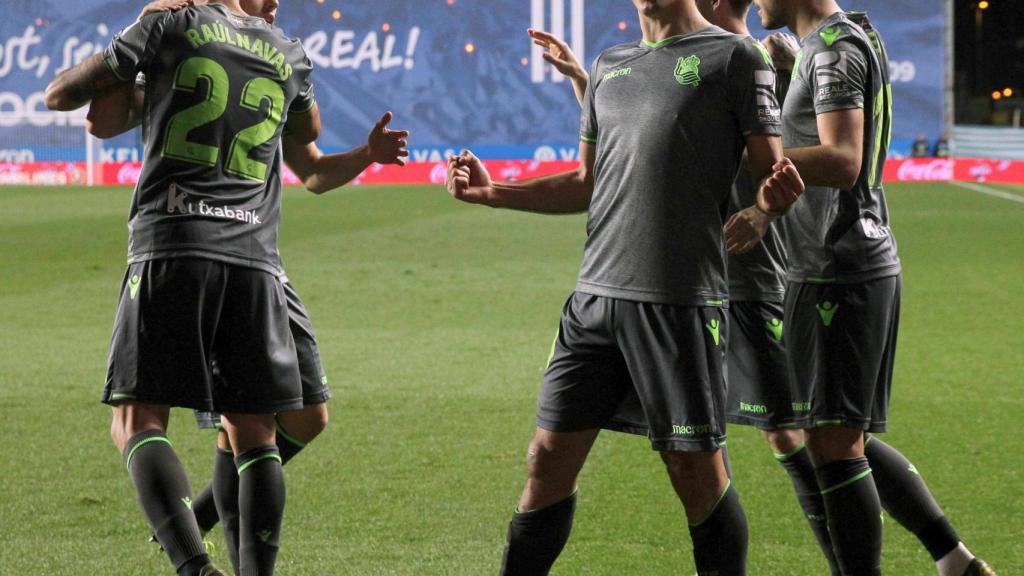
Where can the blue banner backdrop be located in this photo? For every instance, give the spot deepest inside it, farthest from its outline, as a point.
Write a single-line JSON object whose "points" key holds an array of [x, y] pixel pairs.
{"points": [[457, 73]]}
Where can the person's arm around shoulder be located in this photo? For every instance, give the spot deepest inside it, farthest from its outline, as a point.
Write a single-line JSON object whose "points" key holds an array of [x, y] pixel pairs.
{"points": [[76, 86], [564, 193], [321, 172], [116, 112]]}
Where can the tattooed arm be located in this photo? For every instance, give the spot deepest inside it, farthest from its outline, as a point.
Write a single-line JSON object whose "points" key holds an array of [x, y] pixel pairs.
{"points": [[74, 87]]}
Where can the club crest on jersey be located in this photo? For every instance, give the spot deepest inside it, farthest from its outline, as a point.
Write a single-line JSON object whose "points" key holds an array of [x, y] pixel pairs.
{"points": [[688, 71]]}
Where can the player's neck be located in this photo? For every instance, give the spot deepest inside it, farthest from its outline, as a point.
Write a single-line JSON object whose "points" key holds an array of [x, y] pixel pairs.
{"points": [[231, 5], [811, 14], [672, 22], [733, 24]]}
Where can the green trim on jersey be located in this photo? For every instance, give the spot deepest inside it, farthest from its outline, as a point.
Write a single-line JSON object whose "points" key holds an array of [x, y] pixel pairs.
{"points": [[113, 68], [764, 52], [306, 109], [830, 35], [660, 43], [588, 139]]}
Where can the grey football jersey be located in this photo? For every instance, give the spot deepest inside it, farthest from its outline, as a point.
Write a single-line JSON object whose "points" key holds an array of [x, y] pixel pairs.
{"points": [[837, 235], [758, 275], [669, 122], [219, 88]]}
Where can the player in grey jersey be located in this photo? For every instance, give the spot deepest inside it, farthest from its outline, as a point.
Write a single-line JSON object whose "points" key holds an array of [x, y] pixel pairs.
{"points": [[122, 109], [647, 316], [201, 284], [759, 392], [842, 302]]}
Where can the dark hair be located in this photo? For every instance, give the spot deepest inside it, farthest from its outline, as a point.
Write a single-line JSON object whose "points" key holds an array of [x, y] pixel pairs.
{"points": [[740, 7]]}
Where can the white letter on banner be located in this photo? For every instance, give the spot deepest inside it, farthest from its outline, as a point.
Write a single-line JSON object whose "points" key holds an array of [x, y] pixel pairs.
{"points": [[539, 68]]}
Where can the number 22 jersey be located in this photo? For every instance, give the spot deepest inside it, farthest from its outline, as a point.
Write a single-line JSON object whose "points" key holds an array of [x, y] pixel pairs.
{"points": [[219, 89]]}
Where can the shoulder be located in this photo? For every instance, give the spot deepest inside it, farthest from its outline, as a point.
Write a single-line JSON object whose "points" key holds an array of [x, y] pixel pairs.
{"points": [[618, 54], [841, 35], [613, 58]]}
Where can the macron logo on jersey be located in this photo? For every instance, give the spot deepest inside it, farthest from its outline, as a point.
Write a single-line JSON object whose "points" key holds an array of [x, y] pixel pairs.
{"points": [[179, 203]]}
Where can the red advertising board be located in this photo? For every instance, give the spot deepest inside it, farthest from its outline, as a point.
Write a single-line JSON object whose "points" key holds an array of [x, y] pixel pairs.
{"points": [[114, 173]]}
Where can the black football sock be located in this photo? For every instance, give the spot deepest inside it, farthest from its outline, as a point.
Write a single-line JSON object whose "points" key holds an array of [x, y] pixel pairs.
{"points": [[205, 509], [720, 540], [225, 494], [261, 496], [203, 505], [907, 499], [287, 445], [854, 515], [165, 498], [808, 494], [536, 538]]}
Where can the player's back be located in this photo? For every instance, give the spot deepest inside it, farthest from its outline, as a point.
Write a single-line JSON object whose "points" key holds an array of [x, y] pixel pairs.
{"points": [[219, 88]]}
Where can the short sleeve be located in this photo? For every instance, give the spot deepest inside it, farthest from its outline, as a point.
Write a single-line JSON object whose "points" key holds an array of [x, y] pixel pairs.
{"points": [[132, 48], [751, 79], [838, 74], [588, 117], [305, 99]]}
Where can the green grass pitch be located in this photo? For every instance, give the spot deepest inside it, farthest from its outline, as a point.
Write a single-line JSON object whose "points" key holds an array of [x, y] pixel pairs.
{"points": [[435, 319]]}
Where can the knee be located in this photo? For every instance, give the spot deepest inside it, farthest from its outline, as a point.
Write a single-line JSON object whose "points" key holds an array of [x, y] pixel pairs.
{"points": [[831, 443], [305, 424], [538, 459], [675, 464], [784, 441], [117, 433], [318, 420]]}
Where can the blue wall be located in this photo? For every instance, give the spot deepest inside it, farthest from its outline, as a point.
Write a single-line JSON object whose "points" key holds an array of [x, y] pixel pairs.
{"points": [[493, 98]]}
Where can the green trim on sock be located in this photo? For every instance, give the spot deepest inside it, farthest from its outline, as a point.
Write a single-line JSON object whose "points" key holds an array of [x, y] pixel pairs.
{"points": [[277, 457], [289, 437], [128, 460], [717, 503], [846, 483], [224, 450], [790, 454]]}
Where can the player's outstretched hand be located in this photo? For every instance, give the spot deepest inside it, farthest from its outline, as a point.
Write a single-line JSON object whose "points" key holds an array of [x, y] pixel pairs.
{"points": [[745, 229], [781, 189], [168, 6], [387, 146], [782, 48], [466, 175], [558, 54]]}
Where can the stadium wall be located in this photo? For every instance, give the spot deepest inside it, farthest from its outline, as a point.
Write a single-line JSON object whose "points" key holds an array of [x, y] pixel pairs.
{"points": [[457, 73]]}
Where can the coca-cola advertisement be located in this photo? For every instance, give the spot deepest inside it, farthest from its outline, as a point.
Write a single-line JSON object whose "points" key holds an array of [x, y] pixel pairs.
{"points": [[127, 173], [954, 170]]}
